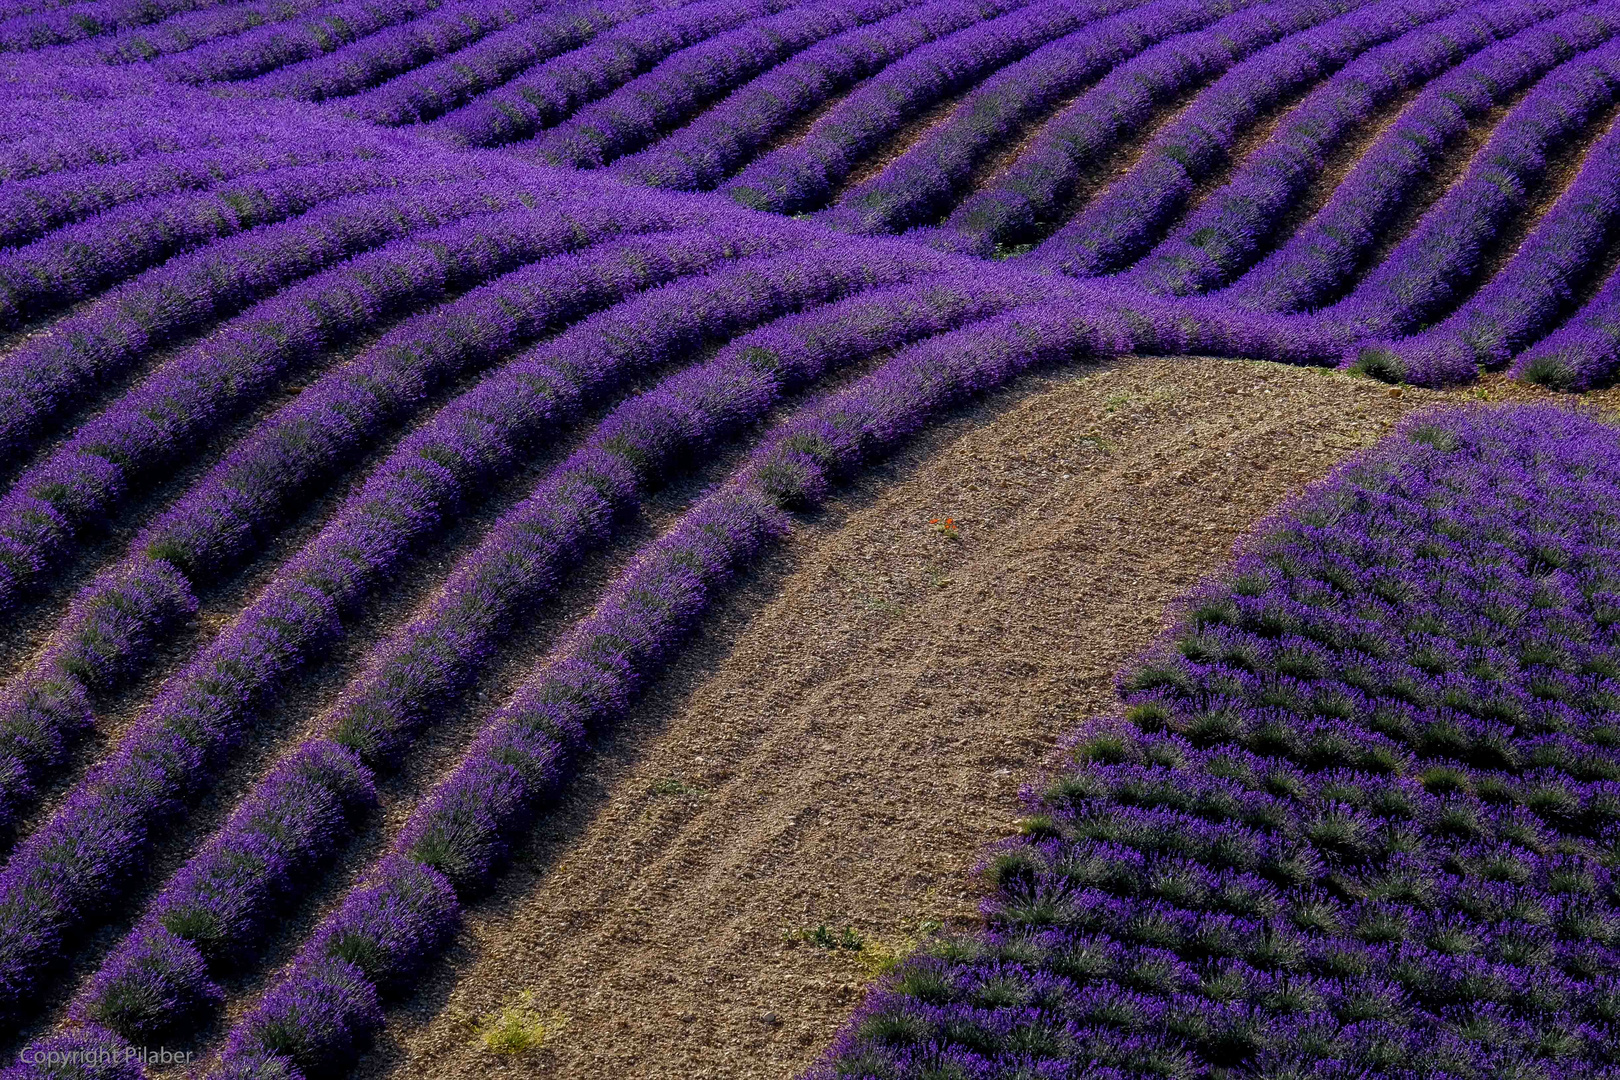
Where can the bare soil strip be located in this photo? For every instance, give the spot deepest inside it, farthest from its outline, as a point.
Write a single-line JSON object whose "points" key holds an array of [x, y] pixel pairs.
{"points": [[850, 732]]}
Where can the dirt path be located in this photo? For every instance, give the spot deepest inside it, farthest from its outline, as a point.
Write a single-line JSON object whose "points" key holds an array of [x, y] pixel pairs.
{"points": [[853, 729]]}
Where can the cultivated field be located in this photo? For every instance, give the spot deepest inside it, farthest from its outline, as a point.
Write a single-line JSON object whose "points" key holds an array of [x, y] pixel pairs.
{"points": [[630, 537]]}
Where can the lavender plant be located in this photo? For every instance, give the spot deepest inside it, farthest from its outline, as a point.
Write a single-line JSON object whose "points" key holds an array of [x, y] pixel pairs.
{"points": [[1117, 227], [459, 837], [803, 176], [710, 148], [1424, 274], [1315, 266], [407, 682], [1584, 352], [259, 50], [920, 185], [389, 52], [639, 111], [552, 92], [1222, 237], [1530, 291]]}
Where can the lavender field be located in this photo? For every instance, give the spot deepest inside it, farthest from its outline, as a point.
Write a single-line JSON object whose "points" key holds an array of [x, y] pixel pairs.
{"points": [[393, 393]]}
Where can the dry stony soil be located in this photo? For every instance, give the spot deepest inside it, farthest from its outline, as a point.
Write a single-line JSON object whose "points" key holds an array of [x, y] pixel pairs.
{"points": [[853, 728]]}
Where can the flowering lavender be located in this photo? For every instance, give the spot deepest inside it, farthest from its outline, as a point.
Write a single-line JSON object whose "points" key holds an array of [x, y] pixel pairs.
{"points": [[1584, 352], [1528, 294], [1117, 227], [639, 111], [704, 152], [1320, 260], [1029, 198], [460, 835], [47, 509], [259, 50], [220, 909], [436, 88], [181, 32], [33, 30], [201, 713], [1222, 237], [45, 377], [1359, 813], [551, 92], [803, 176], [1423, 274], [389, 52], [78, 261], [30, 208], [918, 186]]}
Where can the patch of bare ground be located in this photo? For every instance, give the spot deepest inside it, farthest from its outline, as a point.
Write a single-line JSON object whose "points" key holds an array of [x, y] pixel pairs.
{"points": [[852, 728]]}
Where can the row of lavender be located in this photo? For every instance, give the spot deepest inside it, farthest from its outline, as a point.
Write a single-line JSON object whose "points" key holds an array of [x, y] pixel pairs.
{"points": [[1362, 814], [586, 107]]}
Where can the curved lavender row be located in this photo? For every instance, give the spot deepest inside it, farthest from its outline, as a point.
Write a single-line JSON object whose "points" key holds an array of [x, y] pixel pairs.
{"points": [[37, 30], [446, 84], [456, 840], [80, 260], [231, 512], [267, 47], [30, 208], [110, 629], [47, 376], [642, 109], [1528, 294], [1116, 227], [179, 742], [704, 152], [1033, 192], [186, 401], [554, 90], [1425, 272], [100, 136], [1368, 776], [144, 43], [406, 681], [370, 60], [1222, 237], [917, 187], [286, 830], [802, 176], [1325, 253], [34, 7], [1584, 352], [518, 564]]}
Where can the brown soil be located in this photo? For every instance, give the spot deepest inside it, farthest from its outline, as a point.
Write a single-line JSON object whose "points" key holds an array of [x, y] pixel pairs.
{"points": [[853, 728]]}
